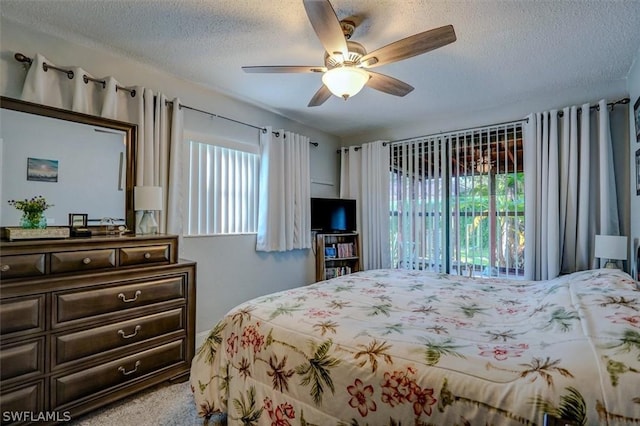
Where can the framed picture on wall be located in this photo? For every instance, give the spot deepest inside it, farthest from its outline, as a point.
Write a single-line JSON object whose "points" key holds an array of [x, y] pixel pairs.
{"points": [[636, 115], [41, 170]]}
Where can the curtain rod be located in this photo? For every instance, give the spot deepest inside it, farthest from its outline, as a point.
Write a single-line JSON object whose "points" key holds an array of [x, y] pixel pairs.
{"points": [[524, 120], [444, 133], [228, 119], [622, 101], [70, 74]]}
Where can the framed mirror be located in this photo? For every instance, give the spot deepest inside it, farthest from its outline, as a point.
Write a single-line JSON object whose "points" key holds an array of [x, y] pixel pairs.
{"points": [[82, 164]]}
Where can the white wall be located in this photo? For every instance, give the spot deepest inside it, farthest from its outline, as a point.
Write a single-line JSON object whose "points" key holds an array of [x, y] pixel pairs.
{"points": [[229, 269], [633, 81]]}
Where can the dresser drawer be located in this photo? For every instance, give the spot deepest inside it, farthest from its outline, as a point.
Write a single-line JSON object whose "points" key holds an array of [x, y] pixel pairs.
{"points": [[21, 402], [143, 255], [24, 265], [102, 377], [98, 301], [85, 260], [22, 360], [22, 315], [72, 346]]}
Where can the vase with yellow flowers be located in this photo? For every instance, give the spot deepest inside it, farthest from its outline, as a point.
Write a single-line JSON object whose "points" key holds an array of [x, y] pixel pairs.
{"points": [[32, 211]]}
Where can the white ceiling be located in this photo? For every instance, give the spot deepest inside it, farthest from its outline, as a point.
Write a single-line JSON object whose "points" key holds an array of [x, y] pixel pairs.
{"points": [[505, 50]]}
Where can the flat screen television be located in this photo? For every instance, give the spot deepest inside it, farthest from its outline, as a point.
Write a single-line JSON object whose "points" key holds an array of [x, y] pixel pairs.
{"points": [[333, 215]]}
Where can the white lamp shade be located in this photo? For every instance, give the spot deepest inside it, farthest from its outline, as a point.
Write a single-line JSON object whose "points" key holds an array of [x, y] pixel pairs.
{"points": [[611, 247], [147, 198], [345, 82]]}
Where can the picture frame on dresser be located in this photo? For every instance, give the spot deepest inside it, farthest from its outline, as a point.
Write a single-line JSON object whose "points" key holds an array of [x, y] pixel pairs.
{"points": [[78, 223], [78, 220]]}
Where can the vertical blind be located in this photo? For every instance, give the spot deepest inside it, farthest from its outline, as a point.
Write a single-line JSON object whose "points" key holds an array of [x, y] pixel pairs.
{"points": [[457, 202], [222, 190]]}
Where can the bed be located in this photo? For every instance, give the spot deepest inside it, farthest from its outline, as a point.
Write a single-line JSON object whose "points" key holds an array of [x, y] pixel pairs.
{"points": [[400, 347]]}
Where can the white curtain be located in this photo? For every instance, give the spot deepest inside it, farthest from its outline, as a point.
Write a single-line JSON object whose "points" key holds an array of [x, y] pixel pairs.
{"points": [[351, 175], [159, 135], [284, 217], [159, 156], [55, 88], [364, 176], [570, 189]]}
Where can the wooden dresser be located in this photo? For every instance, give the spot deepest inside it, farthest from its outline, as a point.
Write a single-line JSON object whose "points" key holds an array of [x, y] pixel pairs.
{"points": [[87, 321]]}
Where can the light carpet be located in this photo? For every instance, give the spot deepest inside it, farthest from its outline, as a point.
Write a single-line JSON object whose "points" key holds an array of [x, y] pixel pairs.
{"points": [[165, 405]]}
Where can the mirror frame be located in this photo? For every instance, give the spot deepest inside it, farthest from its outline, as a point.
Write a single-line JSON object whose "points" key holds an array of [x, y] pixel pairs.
{"points": [[130, 130]]}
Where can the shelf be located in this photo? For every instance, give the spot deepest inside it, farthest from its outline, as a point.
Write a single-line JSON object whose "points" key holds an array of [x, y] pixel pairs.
{"points": [[337, 254]]}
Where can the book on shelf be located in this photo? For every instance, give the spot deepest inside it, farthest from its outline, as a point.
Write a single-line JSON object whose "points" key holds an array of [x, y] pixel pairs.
{"points": [[345, 249], [337, 272]]}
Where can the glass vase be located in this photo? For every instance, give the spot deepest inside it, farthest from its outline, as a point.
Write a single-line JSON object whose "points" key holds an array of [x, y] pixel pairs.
{"points": [[33, 221]]}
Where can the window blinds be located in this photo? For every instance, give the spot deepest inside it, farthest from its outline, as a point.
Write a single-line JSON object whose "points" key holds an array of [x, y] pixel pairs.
{"points": [[222, 190], [457, 202]]}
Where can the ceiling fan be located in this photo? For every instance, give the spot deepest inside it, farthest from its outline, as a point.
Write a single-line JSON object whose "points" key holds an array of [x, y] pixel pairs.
{"points": [[347, 63]]}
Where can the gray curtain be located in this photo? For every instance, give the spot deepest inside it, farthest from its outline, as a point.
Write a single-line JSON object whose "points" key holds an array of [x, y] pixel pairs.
{"points": [[570, 189]]}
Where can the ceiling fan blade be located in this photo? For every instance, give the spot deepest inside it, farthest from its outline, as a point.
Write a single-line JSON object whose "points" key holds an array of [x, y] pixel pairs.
{"points": [[320, 97], [327, 26], [416, 44], [282, 69], [387, 84]]}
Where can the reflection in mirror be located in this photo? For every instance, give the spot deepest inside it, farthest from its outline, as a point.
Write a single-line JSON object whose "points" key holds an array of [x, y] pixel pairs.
{"points": [[80, 164]]}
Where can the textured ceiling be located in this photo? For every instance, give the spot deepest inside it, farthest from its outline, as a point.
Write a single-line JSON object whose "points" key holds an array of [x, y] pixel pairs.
{"points": [[506, 50]]}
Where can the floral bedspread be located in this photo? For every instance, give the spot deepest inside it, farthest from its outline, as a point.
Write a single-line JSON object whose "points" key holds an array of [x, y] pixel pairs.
{"points": [[398, 347]]}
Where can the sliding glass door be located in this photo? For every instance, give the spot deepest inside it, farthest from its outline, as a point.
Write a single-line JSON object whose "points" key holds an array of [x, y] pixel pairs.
{"points": [[457, 202]]}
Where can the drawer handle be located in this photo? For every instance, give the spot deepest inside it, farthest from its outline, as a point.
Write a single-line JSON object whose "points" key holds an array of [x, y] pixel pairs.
{"points": [[147, 255], [5, 268], [129, 336], [122, 297], [86, 260], [125, 372]]}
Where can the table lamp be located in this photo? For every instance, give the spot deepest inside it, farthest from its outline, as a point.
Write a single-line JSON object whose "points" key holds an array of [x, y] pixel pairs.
{"points": [[611, 247], [147, 199]]}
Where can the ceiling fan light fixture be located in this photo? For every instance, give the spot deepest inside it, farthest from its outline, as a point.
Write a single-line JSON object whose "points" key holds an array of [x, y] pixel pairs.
{"points": [[484, 165], [345, 82]]}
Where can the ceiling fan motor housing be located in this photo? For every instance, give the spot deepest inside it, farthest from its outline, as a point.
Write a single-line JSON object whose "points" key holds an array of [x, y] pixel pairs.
{"points": [[356, 51], [347, 28]]}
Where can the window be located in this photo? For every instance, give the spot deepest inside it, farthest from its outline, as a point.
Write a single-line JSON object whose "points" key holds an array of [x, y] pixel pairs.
{"points": [[457, 202], [222, 190]]}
